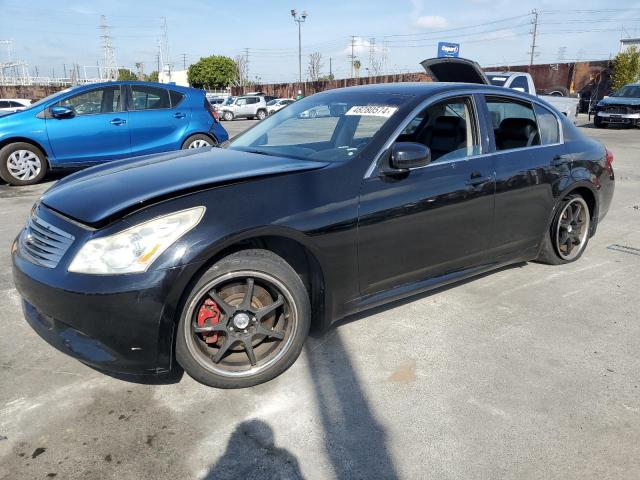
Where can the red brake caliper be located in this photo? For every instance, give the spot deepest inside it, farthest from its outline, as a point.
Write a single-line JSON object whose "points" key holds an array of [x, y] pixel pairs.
{"points": [[209, 311]]}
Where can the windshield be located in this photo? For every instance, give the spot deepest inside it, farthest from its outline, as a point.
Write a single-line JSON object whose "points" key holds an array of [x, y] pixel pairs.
{"points": [[629, 91], [271, 102], [229, 100], [330, 126], [50, 97]]}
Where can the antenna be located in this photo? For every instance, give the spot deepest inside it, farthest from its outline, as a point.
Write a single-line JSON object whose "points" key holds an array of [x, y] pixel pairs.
{"points": [[110, 64]]}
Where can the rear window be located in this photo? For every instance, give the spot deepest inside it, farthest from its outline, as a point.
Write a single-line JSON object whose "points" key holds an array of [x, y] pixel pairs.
{"points": [[149, 98]]}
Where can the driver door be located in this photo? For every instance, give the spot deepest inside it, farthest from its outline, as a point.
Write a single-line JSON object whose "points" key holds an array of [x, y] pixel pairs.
{"points": [[98, 132], [436, 219]]}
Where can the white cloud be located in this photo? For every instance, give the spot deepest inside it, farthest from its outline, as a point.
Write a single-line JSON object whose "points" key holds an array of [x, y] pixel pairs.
{"points": [[431, 21], [360, 46]]}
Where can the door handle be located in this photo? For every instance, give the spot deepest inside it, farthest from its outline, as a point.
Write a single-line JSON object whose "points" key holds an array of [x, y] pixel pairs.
{"points": [[179, 115], [477, 179], [118, 121]]}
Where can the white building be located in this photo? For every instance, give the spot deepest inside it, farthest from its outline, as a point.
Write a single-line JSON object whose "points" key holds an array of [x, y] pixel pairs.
{"points": [[177, 77], [625, 43]]}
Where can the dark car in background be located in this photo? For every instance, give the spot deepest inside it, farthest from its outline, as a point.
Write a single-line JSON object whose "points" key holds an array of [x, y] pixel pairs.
{"points": [[97, 123], [621, 108], [221, 260]]}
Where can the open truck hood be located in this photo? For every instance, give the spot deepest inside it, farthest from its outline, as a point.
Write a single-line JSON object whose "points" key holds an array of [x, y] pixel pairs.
{"points": [[454, 70], [100, 194]]}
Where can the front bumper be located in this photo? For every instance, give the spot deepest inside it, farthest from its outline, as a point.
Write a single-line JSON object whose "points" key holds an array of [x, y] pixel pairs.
{"points": [[619, 118], [125, 326], [118, 323]]}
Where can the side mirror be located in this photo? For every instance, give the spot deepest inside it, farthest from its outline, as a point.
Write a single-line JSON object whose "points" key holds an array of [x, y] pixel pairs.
{"points": [[407, 155], [61, 112]]}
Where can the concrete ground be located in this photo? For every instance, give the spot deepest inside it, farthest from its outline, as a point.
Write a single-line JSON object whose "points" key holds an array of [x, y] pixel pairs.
{"points": [[531, 372]]}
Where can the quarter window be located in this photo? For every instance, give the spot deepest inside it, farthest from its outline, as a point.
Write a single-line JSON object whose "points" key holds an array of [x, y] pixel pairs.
{"points": [[514, 123], [448, 128], [548, 125], [101, 100], [176, 98], [149, 98]]}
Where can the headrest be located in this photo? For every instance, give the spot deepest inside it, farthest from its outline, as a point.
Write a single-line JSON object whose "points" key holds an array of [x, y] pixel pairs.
{"points": [[445, 124], [517, 128]]}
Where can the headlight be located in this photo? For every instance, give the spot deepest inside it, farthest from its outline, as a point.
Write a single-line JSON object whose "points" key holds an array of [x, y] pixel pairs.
{"points": [[136, 248]]}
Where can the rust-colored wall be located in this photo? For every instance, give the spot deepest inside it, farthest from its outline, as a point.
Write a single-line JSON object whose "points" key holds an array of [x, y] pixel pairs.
{"points": [[586, 78], [290, 90], [32, 92]]}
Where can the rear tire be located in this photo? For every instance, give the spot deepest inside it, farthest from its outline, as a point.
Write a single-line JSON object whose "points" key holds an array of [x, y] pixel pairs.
{"points": [[249, 347], [261, 115], [228, 116], [22, 164], [568, 236]]}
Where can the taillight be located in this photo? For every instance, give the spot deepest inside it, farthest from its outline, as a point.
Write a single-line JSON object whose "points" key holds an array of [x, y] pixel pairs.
{"points": [[212, 111], [608, 157]]}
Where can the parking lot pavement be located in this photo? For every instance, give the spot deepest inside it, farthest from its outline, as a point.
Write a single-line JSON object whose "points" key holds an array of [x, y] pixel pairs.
{"points": [[529, 372]]}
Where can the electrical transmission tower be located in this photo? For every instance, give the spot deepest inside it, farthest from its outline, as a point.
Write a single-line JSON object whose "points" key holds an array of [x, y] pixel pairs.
{"points": [[110, 64], [534, 33], [352, 57]]}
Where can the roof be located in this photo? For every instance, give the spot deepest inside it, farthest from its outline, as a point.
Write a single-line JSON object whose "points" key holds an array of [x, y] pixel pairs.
{"points": [[135, 82], [418, 88]]}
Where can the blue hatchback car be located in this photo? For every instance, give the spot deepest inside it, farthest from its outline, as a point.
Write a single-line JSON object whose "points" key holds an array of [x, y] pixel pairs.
{"points": [[96, 123]]}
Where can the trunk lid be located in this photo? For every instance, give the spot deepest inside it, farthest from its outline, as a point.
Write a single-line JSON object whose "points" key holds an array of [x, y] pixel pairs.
{"points": [[461, 70]]}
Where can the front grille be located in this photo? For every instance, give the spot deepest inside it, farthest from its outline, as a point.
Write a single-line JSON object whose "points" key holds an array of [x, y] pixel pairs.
{"points": [[43, 244], [616, 110]]}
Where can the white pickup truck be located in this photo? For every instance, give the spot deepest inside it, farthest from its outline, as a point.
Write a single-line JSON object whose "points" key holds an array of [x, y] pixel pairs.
{"points": [[468, 71]]}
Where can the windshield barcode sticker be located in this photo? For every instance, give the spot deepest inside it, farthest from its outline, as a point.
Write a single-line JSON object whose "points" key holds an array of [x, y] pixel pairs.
{"points": [[372, 110]]}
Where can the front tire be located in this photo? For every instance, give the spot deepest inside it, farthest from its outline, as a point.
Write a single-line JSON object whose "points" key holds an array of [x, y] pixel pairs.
{"points": [[228, 116], [244, 322], [569, 233], [598, 123], [198, 141], [22, 164]]}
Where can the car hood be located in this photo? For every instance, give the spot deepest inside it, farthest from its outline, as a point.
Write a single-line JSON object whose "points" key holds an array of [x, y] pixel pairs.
{"points": [[620, 101], [100, 194]]}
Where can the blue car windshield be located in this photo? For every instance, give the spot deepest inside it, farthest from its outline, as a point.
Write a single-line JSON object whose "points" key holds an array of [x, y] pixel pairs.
{"points": [[628, 91], [330, 126]]}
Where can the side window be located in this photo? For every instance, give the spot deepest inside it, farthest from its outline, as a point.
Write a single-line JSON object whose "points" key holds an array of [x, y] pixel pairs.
{"points": [[101, 100], [548, 125], [15, 104], [520, 82], [241, 101], [252, 100], [514, 123], [176, 98], [4, 104], [149, 98], [448, 128]]}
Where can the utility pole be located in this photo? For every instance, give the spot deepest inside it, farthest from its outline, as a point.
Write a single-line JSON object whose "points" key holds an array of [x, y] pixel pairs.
{"points": [[299, 19], [330, 69], [352, 57], [534, 33], [246, 65], [64, 67], [184, 61]]}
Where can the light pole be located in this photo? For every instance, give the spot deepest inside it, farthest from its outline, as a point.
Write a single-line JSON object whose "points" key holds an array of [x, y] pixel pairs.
{"points": [[299, 19]]}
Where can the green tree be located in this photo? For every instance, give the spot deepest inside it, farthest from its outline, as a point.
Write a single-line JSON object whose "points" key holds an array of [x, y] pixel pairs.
{"points": [[126, 74], [152, 77], [626, 68], [215, 71]]}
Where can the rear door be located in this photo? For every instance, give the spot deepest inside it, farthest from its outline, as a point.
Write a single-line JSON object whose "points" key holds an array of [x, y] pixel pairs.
{"points": [[529, 159], [158, 117], [438, 218], [98, 132]]}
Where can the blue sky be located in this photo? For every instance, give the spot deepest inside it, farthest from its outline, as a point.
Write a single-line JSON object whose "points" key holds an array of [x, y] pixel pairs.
{"points": [[49, 34]]}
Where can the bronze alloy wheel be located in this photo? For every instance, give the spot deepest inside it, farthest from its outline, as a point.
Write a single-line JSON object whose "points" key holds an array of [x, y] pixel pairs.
{"points": [[572, 229], [248, 324]]}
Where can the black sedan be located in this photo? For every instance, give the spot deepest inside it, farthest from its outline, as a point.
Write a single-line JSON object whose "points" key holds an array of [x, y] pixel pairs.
{"points": [[220, 260]]}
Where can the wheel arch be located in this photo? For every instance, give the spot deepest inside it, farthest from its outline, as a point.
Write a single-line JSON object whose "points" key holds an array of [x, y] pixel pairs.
{"points": [[588, 191], [293, 249], [206, 134], [10, 140]]}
